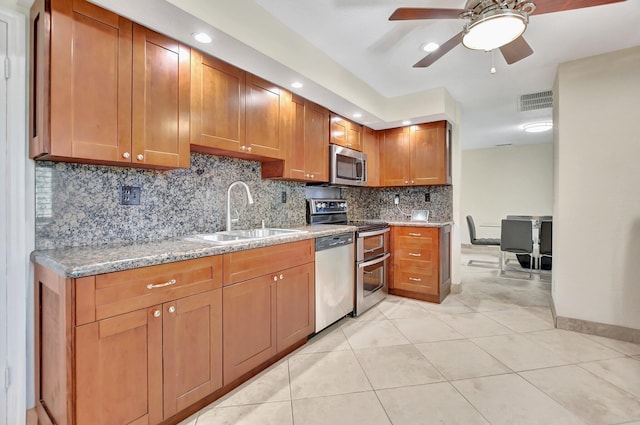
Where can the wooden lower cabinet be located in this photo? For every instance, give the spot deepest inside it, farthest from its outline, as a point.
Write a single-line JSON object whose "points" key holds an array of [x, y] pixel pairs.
{"points": [[267, 314], [131, 347], [249, 325], [421, 262]]}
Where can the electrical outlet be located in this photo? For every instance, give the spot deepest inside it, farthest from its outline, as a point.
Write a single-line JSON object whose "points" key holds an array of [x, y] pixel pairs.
{"points": [[427, 197], [130, 195], [284, 197], [396, 199]]}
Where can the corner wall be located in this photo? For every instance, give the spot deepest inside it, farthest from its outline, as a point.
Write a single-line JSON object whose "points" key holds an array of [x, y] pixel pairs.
{"points": [[597, 198]]}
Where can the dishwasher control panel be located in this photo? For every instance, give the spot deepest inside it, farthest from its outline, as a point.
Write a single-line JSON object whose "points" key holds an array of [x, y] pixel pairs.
{"points": [[328, 242]]}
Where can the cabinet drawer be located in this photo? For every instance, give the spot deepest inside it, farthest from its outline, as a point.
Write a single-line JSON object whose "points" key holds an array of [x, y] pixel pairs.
{"points": [[416, 279], [412, 235], [243, 265], [421, 254], [106, 295]]}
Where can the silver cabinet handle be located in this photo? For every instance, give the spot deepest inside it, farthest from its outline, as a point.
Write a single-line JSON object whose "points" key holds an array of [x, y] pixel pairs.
{"points": [[275, 278], [249, 149], [311, 176], [126, 155], [415, 234], [415, 279], [411, 254], [413, 181], [281, 276], [140, 157], [406, 182], [160, 285], [243, 148], [172, 309], [156, 313]]}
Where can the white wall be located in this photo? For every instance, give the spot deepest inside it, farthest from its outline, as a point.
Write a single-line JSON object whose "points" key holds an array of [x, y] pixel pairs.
{"points": [[597, 198], [513, 180]]}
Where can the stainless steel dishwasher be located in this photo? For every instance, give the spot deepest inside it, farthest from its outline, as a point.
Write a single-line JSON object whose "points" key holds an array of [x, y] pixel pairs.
{"points": [[334, 278]]}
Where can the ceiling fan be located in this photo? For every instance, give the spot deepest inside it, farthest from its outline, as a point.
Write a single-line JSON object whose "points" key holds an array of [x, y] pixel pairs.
{"points": [[492, 24]]}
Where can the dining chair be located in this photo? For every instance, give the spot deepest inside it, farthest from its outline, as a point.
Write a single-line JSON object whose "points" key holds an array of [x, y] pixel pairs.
{"points": [[480, 242], [516, 238], [545, 238]]}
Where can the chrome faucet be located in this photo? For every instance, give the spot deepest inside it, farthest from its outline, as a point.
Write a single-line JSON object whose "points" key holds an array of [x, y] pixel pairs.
{"points": [[249, 199]]}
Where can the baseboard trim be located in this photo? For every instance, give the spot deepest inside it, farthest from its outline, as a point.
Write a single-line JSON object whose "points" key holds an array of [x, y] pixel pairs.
{"points": [[594, 328]]}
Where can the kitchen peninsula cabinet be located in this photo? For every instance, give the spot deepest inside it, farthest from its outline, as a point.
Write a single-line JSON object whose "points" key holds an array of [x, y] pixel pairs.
{"points": [[346, 133], [268, 304], [100, 87], [307, 146], [417, 155], [135, 346], [421, 262]]}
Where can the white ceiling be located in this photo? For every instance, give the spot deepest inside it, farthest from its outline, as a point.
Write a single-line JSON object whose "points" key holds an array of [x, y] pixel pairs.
{"points": [[352, 59]]}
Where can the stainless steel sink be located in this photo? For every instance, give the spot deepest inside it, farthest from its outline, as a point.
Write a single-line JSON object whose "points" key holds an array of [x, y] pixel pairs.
{"points": [[232, 236]]}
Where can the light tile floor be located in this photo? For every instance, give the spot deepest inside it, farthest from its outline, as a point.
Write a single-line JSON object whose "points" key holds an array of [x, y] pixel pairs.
{"points": [[489, 355]]}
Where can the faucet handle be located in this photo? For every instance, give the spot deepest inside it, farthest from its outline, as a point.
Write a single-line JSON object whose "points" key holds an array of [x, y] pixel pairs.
{"points": [[263, 224]]}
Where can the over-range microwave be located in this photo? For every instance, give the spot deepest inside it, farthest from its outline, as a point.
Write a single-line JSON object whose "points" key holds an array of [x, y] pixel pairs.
{"points": [[347, 166]]}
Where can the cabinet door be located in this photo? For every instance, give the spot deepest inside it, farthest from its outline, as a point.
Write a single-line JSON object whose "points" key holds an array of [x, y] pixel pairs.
{"points": [[316, 142], [217, 104], [354, 136], [371, 147], [264, 121], [339, 131], [118, 369], [428, 154], [90, 86], [161, 88], [394, 157], [296, 146], [249, 325], [295, 301], [192, 340]]}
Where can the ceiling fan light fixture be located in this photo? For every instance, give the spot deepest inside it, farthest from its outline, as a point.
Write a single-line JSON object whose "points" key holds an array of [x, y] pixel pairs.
{"points": [[494, 29]]}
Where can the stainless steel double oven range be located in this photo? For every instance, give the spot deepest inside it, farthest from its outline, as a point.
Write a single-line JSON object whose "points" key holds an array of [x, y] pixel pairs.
{"points": [[371, 266]]}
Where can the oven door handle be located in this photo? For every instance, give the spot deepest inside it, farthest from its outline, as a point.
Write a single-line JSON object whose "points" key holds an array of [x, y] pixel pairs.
{"points": [[374, 261], [373, 233]]}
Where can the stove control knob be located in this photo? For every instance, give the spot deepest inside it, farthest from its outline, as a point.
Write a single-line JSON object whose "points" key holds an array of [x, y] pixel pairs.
{"points": [[323, 205], [343, 205]]}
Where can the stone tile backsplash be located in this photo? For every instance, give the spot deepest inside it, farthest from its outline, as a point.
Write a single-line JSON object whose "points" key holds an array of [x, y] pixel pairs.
{"points": [[79, 205]]}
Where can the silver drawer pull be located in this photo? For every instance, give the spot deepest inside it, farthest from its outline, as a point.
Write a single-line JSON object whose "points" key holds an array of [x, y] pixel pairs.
{"points": [[415, 234], [415, 279], [411, 254], [160, 285]]}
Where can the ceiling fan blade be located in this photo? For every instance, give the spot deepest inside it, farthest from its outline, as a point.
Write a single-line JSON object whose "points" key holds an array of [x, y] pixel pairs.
{"points": [[409, 13], [442, 50], [517, 50], [550, 6]]}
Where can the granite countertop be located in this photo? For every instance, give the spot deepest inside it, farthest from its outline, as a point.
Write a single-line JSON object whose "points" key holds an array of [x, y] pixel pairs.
{"points": [[85, 261]]}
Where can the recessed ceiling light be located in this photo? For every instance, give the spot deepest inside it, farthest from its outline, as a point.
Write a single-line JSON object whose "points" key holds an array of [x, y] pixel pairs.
{"points": [[430, 47], [297, 85], [538, 127], [406, 122], [357, 115], [201, 37]]}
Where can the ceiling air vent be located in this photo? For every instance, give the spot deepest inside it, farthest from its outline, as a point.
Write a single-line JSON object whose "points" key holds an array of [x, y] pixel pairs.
{"points": [[535, 101]]}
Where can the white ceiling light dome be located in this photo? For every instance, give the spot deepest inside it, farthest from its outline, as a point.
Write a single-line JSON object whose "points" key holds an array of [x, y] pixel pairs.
{"points": [[495, 23]]}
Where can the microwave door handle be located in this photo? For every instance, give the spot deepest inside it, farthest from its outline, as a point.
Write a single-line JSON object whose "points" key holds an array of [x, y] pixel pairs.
{"points": [[374, 261]]}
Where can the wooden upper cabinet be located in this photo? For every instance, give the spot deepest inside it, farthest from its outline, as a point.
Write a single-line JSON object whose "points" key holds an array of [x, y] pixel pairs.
{"points": [[82, 109], [371, 146], [161, 88], [418, 155], [316, 142], [217, 104], [430, 154], [394, 157], [265, 129], [346, 133], [306, 147], [99, 96]]}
